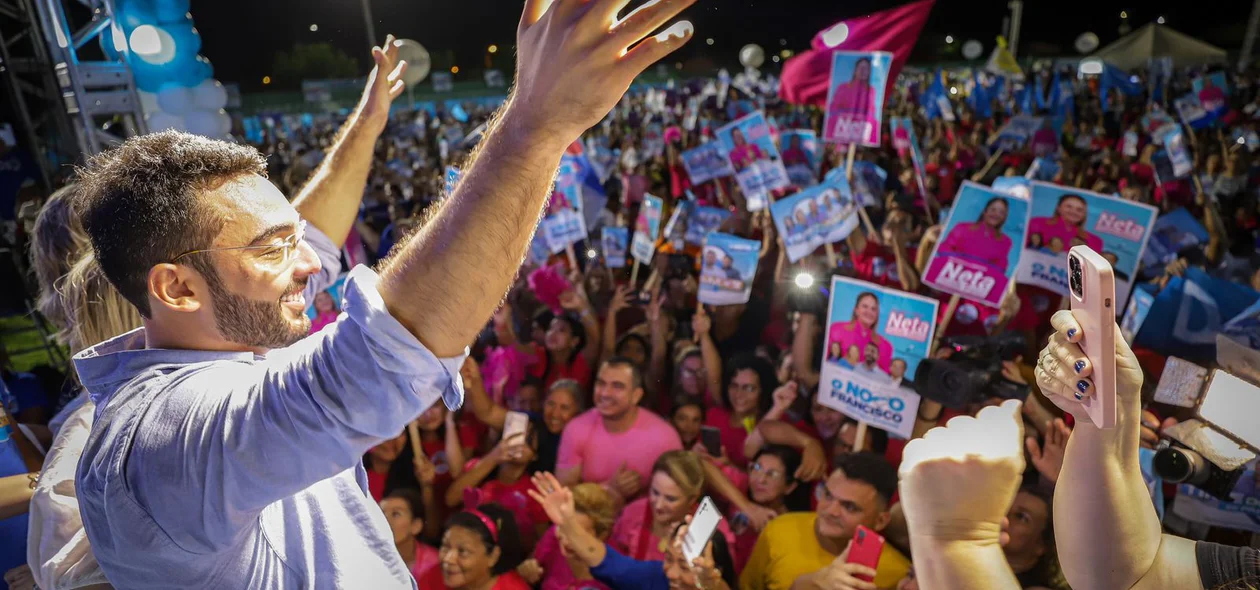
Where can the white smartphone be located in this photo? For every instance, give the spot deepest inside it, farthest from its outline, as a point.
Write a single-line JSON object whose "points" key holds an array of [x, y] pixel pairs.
{"points": [[515, 423], [1092, 289], [703, 523]]}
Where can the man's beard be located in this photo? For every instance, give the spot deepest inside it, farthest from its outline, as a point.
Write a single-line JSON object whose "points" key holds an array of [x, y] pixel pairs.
{"points": [[257, 324]]}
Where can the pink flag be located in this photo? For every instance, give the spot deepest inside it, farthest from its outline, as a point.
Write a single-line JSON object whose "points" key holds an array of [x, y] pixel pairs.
{"points": [[806, 77]]}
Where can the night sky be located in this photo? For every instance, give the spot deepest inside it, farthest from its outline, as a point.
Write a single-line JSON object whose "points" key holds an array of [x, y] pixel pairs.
{"points": [[241, 36]]}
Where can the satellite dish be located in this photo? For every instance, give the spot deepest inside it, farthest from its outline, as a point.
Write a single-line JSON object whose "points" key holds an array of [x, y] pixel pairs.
{"points": [[1087, 42], [418, 61], [972, 49]]}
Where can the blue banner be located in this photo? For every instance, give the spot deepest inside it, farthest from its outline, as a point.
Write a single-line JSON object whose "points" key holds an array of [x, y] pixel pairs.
{"points": [[706, 163], [869, 183], [815, 216], [702, 221], [1172, 232], [728, 267], [1193, 309]]}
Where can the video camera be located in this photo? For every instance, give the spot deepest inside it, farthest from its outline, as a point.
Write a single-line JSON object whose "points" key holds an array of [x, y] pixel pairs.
{"points": [[973, 373], [1211, 450]]}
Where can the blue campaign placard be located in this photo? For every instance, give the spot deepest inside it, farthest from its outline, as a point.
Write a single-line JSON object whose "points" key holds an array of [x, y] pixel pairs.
{"points": [[750, 149], [706, 163], [980, 246], [703, 221], [614, 241], [855, 97], [1135, 313], [728, 267], [875, 339], [1063, 217], [815, 216], [1171, 233], [647, 228]]}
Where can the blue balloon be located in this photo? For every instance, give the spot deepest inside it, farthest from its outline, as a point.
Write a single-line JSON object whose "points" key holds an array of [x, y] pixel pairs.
{"points": [[149, 77], [187, 72], [170, 11], [133, 13], [187, 39]]}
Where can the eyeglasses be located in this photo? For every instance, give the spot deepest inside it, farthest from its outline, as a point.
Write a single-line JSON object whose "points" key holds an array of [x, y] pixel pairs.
{"points": [[276, 255], [770, 473], [745, 388]]}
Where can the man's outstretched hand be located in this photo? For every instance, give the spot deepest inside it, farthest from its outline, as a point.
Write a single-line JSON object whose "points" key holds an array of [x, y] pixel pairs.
{"points": [[576, 59], [384, 84]]}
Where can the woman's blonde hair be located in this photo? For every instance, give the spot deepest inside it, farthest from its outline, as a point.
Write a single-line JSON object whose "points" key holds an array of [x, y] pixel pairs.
{"points": [[594, 501], [95, 310], [58, 241], [685, 469]]}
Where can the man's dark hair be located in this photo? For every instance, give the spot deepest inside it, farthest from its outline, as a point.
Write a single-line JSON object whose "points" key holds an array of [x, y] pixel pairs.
{"points": [[636, 377], [140, 203], [871, 469]]}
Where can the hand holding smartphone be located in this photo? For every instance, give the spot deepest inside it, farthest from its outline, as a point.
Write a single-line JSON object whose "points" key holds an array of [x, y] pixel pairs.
{"points": [[711, 438], [865, 549], [1092, 291], [703, 524]]}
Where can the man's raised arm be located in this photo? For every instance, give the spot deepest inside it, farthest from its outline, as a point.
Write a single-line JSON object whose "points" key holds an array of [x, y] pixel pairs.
{"points": [[571, 70]]}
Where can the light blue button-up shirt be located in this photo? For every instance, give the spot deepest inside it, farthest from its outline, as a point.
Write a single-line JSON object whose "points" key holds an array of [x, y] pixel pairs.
{"points": [[231, 470]]}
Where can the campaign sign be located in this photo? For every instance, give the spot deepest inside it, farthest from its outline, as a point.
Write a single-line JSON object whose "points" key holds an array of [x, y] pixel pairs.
{"points": [[1193, 309], [613, 241], [813, 217], [706, 163], [728, 267], [1172, 232], [1241, 512], [563, 228], [868, 183], [1063, 217], [702, 222], [676, 228], [539, 249], [855, 99], [875, 340], [751, 152], [1018, 131], [1015, 186], [1192, 113], [646, 229], [1175, 143], [335, 292], [1156, 122], [801, 156], [1135, 313], [980, 249], [1213, 93]]}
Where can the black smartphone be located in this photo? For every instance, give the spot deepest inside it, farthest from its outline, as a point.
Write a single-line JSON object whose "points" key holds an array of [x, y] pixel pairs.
{"points": [[641, 298], [711, 438]]}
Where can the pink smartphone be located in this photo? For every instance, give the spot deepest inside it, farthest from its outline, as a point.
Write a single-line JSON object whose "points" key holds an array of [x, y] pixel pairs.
{"points": [[1092, 289], [865, 550]]}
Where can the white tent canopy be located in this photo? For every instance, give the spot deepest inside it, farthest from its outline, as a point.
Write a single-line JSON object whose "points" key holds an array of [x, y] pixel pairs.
{"points": [[1154, 40]]}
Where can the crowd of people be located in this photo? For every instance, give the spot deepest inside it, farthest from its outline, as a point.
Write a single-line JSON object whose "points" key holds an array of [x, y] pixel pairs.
{"points": [[598, 411]]}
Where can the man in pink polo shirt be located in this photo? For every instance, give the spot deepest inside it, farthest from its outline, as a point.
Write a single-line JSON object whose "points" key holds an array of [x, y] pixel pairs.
{"points": [[616, 442]]}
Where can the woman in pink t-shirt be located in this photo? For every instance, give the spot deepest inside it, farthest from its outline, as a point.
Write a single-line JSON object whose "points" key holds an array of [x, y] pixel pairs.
{"points": [[982, 241], [502, 477], [646, 525], [743, 154], [404, 511], [861, 330], [1067, 223], [751, 394], [552, 567]]}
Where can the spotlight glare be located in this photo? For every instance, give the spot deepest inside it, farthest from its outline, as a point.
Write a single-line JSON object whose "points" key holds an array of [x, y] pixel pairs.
{"points": [[804, 280]]}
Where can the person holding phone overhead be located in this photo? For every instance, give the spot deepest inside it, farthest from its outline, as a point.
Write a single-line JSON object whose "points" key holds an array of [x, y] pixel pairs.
{"points": [[982, 240]]}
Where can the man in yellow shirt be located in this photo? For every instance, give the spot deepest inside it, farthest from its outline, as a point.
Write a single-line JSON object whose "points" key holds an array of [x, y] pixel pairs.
{"points": [[800, 550]]}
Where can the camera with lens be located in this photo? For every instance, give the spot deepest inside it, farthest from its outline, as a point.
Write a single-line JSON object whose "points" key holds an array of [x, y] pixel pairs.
{"points": [[1074, 276], [973, 373], [1211, 450]]}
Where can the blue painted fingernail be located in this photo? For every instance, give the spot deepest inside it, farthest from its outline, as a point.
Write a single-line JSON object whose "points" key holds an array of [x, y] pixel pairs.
{"points": [[1071, 333], [1080, 366], [1078, 397], [1082, 385]]}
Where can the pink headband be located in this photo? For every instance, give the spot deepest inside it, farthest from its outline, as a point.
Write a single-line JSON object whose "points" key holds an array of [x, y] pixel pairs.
{"points": [[494, 530]]}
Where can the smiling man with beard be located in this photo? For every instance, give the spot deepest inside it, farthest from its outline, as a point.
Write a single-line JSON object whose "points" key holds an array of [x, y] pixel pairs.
{"points": [[228, 444]]}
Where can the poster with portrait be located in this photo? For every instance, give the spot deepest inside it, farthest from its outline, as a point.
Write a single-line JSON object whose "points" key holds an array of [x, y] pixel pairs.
{"points": [[855, 98], [875, 339], [869, 181], [1155, 122], [980, 246], [815, 216], [539, 249], [1018, 131], [614, 241], [1174, 142], [706, 163], [727, 269], [750, 149], [1063, 217], [1192, 113], [563, 228], [1171, 233], [327, 304], [1212, 90], [1135, 313], [802, 156], [702, 222], [647, 228]]}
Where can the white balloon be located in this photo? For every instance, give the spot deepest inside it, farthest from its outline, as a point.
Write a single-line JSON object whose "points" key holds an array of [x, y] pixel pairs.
{"points": [[752, 56], [209, 95], [1087, 42], [152, 44], [835, 35], [225, 122], [417, 58], [175, 99], [203, 123], [148, 101], [972, 49], [161, 121]]}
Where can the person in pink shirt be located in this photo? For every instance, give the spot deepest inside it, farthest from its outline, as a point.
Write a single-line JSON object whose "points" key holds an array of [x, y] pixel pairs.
{"points": [[861, 330], [404, 511], [1067, 223], [794, 154], [744, 154], [854, 100], [553, 566], [982, 240], [752, 393], [645, 525], [616, 442], [326, 311]]}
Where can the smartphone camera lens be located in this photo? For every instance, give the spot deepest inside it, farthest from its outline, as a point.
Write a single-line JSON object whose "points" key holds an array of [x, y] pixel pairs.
{"points": [[1074, 276]]}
